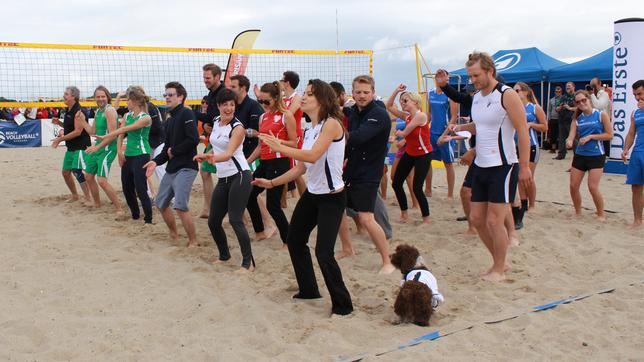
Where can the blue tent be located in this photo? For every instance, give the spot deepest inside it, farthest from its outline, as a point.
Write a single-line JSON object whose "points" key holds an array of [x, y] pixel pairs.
{"points": [[599, 65], [526, 65]]}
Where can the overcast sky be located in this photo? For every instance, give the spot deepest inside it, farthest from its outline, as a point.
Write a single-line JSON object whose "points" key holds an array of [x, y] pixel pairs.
{"points": [[446, 31]]}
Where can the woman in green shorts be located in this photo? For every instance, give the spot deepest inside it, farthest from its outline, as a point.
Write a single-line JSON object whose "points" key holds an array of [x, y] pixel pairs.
{"points": [[97, 164], [136, 154]]}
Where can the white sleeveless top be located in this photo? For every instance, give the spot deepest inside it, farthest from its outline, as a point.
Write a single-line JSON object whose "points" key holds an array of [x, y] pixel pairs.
{"points": [[494, 130], [325, 175], [219, 139]]}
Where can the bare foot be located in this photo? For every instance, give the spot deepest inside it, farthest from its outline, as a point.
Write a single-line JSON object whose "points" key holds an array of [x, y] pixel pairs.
{"points": [[243, 270], [635, 225], [426, 220], [514, 240], [344, 254], [404, 218], [217, 261], [173, 235], [386, 269], [192, 244], [506, 268], [73, 198], [493, 277], [599, 217], [120, 216], [428, 193], [267, 233], [415, 206], [284, 247]]}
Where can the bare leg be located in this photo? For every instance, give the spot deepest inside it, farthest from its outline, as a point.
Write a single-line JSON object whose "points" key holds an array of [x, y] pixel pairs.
{"points": [[383, 183], [269, 226], [410, 187], [478, 217], [283, 202], [428, 181], [188, 226], [496, 214], [638, 204], [168, 217], [93, 188], [207, 193], [594, 177], [509, 225], [466, 196], [111, 194], [69, 181], [151, 187], [451, 177], [88, 197], [378, 238], [345, 238], [532, 190], [576, 176]]}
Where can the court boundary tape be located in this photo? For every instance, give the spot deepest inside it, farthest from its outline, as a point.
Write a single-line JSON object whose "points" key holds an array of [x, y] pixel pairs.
{"points": [[438, 334]]}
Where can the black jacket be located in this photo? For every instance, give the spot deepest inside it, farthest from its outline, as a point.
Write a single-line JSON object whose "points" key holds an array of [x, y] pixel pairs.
{"points": [[213, 111], [182, 137], [367, 144], [156, 128]]}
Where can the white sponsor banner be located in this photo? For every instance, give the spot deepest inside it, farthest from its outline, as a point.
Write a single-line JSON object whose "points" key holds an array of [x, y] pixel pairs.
{"points": [[48, 132], [628, 67]]}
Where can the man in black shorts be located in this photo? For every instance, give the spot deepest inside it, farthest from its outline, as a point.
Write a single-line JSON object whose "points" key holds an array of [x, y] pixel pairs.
{"points": [[369, 128]]}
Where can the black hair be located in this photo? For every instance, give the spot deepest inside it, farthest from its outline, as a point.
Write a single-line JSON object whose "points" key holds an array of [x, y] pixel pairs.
{"points": [[337, 87], [242, 80], [292, 78], [637, 84], [225, 95], [181, 90]]}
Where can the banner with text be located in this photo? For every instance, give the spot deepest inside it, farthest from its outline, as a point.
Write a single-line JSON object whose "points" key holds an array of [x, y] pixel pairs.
{"points": [[628, 67], [28, 134]]}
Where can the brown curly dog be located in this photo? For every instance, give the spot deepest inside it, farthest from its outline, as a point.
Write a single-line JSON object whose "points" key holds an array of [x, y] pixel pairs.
{"points": [[414, 301]]}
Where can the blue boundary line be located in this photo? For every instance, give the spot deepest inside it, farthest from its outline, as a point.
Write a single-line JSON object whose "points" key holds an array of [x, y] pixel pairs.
{"points": [[435, 335]]}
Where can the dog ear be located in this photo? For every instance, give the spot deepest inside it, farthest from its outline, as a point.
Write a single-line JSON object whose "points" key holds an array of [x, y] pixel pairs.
{"points": [[409, 256]]}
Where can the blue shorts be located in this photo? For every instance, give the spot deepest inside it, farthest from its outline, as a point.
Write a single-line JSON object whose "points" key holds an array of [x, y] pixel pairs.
{"points": [[177, 185], [444, 152], [635, 170]]}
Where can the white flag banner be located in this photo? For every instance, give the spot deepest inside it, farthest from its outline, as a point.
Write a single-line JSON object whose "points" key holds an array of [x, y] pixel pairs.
{"points": [[628, 67]]}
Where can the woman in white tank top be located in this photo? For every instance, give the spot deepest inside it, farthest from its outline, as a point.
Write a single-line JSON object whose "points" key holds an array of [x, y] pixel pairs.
{"points": [[324, 201]]}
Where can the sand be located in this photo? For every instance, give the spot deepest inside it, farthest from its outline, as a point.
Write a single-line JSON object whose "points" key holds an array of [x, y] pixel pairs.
{"points": [[77, 285]]}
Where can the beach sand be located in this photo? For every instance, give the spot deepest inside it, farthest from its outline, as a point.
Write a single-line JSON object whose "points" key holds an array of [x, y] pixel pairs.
{"points": [[77, 285]]}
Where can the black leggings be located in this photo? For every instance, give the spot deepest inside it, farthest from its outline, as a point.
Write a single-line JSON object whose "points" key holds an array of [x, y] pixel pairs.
{"points": [[325, 212], [135, 184], [230, 196], [269, 169], [420, 164]]}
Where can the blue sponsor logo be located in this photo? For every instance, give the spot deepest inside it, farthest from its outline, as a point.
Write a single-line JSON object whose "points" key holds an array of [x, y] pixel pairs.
{"points": [[507, 61]]}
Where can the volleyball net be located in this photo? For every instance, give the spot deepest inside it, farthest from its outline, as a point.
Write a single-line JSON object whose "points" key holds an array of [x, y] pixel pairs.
{"points": [[35, 75]]}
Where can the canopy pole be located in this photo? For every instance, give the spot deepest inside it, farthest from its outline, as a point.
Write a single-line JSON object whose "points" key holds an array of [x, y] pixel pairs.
{"points": [[548, 108], [541, 100]]}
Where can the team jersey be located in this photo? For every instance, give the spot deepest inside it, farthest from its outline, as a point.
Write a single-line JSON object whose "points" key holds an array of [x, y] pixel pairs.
{"points": [[589, 125], [494, 132], [272, 122], [417, 141], [638, 116], [298, 118], [325, 174], [219, 140], [138, 142], [440, 112], [531, 117], [100, 124]]}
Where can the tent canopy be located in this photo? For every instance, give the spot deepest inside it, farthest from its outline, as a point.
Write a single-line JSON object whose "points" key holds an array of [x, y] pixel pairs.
{"points": [[526, 65], [599, 65]]}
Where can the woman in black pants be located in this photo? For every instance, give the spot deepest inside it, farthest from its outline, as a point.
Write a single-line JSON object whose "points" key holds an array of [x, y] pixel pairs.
{"points": [[231, 193], [418, 150], [278, 121], [324, 201], [136, 153]]}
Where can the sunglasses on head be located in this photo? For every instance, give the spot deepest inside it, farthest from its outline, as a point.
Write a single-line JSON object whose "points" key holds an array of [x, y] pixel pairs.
{"points": [[264, 101]]}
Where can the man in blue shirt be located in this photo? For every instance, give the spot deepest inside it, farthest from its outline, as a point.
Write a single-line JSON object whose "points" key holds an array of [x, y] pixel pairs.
{"points": [[442, 112]]}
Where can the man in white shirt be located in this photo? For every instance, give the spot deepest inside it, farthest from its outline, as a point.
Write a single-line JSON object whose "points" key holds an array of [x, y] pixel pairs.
{"points": [[601, 101]]}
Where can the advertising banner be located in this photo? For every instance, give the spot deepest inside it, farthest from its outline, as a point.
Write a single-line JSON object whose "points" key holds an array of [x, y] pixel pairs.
{"points": [[28, 134]]}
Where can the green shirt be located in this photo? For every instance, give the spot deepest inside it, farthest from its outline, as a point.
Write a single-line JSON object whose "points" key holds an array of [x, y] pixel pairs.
{"points": [[100, 124], [138, 140]]}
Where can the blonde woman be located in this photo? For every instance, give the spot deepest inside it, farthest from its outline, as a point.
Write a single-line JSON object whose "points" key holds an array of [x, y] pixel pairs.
{"points": [[417, 152]]}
